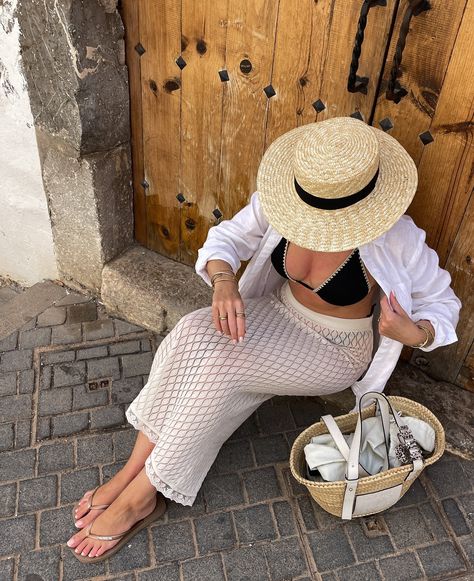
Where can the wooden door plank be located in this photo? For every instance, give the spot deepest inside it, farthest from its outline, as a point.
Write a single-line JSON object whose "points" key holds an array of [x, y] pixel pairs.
{"points": [[301, 38], [250, 36], [160, 31], [130, 17], [343, 22], [425, 59], [204, 37]]}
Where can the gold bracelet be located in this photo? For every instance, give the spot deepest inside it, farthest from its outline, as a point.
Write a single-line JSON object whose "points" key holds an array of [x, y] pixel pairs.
{"points": [[221, 279], [423, 343]]}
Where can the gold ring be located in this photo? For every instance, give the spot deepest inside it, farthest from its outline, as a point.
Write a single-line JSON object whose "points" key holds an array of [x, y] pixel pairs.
{"points": [[240, 314], [222, 318]]}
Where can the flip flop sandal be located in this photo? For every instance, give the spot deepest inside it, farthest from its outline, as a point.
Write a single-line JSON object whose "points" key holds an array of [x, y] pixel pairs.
{"points": [[124, 537], [90, 506]]}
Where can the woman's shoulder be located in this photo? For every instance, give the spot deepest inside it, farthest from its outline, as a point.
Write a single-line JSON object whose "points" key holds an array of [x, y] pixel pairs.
{"points": [[405, 231]]}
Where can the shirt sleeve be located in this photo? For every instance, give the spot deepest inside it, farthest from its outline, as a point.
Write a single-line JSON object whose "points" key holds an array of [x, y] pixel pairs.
{"points": [[432, 295], [233, 240]]}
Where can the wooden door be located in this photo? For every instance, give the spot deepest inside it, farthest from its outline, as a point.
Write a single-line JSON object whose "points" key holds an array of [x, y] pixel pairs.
{"points": [[213, 83]]}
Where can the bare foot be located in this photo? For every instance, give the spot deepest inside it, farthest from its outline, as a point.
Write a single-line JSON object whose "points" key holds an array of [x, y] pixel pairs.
{"points": [[121, 515], [105, 494]]}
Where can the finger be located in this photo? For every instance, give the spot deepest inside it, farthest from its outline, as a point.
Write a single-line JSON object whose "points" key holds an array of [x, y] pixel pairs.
{"points": [[232, 321], [384, 306], [397, 307], [215, 318], [240, 320], [224, 323]]}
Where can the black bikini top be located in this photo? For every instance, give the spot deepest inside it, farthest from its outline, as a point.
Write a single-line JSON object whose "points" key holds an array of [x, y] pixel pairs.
{"points": [[347, 285]]}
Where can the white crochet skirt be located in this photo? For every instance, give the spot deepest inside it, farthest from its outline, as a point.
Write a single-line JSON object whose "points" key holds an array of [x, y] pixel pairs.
{"points": [[202, 387]]}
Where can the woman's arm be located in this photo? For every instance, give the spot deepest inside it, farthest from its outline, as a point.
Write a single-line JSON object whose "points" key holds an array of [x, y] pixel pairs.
{"points": [[233, 240]]}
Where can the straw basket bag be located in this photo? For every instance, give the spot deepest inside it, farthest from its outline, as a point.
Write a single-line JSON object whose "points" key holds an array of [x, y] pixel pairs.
{"points": [[359, 496]]}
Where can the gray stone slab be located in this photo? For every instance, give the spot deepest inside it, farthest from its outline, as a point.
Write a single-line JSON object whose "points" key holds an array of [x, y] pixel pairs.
{"points": [[403, 567], [124, 441], [17, 464], [262, 484], [407, 536], [83, 398], [34, 338], [136, 364], [275, 419], [126, 390], [51, 357], [66, 334], [306, 506], [248, 428], [18, 535], [55, 457], [208, 568], [285, 518], [368, 547], [163, 573], [214, 532], [106, 367], [42, 564], [246, 563], [56, 526], [440, 559], [73, 569], [100, 329], [16, 360], [222, 491], [28, 304], [8, 383], [75, 484], [124, 347], [51, 316], [68, 424], [6, 569], [233, 456], [110, 470], [91, 352], [108, 417], [254, 523], [95, 450], [23, 434], [364, 572], [448, 478], [271, 449], [330, 549], [66, 374], [55, 401], [14, 407], [37, 493], [7, 436], [26, 381], [82, 312], [7, 499], [9, 343], [165, 537], [134, 555], [285, 559]]}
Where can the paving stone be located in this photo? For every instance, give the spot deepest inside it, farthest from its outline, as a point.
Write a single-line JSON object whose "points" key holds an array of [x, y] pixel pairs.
{"points": [[468, 546], [52, 357], [368, 547], [126, 390], [285, 559], [107, 417], [222, 491], [134, 555], [55, 401], [330, 549], [37, 493], [66, 334], [208, 568], [307, 411], [177, 511], [75, 484], [247, 428], [55, 457], [124, 347], [214, 532], [146, 345], [136, 364], [262, 484], [72, 298], [164, 573], [455, 517], [100, 329], [26, 381], [16, 360], [448, 478], [165, 541], [440, 559], [233, 456], [82, 312], [294, 487], [270, 449], [6, 436], [124, 441], [69, 374], [467, 502], [18, 535], [6, 569], [69, 424], [285, 519], [416, 495], [43, 429], [56, 526], [124, 327], [73, 569], [82, 398], [407, 536], [15, 406], [91, 352], [291, 437], [105, 367], [401, 568], [34, 338], [46, 377], [23, 434], [51, 316], [307, 513], [42, 564], [7, 499], [17, 464], [111, 470], [275, 419], [9, 343], [8, 383], [254, 523], [94, 450], [29, 325], [364, 572], [433, 522], [247, 563]]}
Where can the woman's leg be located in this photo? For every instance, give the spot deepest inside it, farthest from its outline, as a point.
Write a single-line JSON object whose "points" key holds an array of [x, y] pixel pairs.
{"points": [[109, 491], [134, 503]]}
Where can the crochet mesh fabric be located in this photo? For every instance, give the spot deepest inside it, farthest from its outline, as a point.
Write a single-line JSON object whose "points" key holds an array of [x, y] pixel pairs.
{"points": [[202, 387]]}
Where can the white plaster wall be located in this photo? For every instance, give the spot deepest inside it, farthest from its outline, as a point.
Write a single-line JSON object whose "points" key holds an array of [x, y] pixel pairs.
{"points": [[26, 241]]}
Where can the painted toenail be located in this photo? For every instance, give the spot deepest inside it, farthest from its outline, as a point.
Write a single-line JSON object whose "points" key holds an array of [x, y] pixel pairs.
{"points": [[78, 523], [69, 543]]}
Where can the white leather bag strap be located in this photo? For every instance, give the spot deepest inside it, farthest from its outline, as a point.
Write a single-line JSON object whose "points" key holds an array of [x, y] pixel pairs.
{"points": [[336, 435]]}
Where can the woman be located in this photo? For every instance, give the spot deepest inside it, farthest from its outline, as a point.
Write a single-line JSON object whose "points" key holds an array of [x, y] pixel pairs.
{"points": [[329, 243]]}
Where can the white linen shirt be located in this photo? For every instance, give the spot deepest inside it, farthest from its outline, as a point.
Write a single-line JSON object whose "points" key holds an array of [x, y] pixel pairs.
{"points": [[399, 260]]}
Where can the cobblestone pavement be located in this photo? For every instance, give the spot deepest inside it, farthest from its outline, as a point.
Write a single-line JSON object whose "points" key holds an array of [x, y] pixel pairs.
{"points": [[66, 378]]}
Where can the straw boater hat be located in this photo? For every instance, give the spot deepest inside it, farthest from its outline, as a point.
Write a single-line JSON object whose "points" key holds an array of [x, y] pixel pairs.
{"points": [[335, 184]]}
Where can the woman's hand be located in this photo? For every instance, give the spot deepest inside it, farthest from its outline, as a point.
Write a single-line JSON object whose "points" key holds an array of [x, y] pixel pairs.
{"points": [[395, 323], [226, 300]]}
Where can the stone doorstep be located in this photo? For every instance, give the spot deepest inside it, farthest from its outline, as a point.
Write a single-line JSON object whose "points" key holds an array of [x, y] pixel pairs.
{"points": [[151, 290]]}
